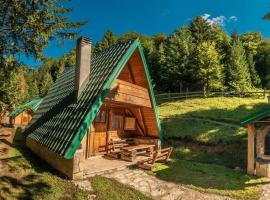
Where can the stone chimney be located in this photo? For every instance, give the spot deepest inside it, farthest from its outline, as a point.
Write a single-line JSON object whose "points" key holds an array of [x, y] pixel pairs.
{"points": [[83, 64]]}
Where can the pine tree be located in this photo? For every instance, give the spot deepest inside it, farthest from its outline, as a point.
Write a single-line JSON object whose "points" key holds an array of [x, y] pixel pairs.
{"points": [[238, 75], [46, 83], [178, 59], [33, 90], [254, 76], [12, 93], [209, 72], [107, 41], [201, 30]]}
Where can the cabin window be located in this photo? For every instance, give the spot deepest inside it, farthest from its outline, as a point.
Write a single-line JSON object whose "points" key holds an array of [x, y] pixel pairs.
{"points": [[118, 122], [130, 123], [101, 116]]}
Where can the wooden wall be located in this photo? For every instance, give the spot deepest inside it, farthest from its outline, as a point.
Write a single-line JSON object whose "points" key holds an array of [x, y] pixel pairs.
{"points": [[134, 73], [23, 118], [126, 92], [133, 101]]}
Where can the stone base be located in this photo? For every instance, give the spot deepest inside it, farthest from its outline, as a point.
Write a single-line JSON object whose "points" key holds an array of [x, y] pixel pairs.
{"points": [[262, 167]]}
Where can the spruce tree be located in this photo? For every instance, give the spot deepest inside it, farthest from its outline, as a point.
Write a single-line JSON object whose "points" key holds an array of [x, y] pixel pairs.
{"points": [[12, 92], [209, 69], [107, 41], [238, 75], [201, 30], [33, 90], [46, 83], [178, 59]]}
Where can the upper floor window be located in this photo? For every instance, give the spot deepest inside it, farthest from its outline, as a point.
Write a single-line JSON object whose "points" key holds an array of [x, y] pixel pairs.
{"points": [[101, 116], [130, 123], [118, 122]]}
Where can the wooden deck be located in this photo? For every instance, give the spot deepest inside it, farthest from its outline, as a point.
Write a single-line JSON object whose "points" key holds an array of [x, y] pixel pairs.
{"points": [[101, 165]]}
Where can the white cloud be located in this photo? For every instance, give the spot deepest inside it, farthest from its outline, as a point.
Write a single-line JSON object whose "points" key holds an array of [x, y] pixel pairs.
{"points": [[222, 20], [233, 18]]}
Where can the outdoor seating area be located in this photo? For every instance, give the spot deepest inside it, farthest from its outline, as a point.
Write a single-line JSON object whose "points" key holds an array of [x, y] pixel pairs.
{"points": [[143, 155]]}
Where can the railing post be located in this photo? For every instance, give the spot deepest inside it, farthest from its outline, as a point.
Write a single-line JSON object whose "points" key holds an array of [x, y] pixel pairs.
{"points": [[186, 93]]}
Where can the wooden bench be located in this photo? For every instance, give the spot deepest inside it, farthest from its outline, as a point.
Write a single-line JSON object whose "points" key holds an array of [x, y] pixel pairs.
{"points": [[159, 155], [115, 147], [130, 153]]}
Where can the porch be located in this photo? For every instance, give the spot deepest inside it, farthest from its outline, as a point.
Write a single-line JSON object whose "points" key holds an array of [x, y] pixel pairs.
{"points": [[104, 164]]}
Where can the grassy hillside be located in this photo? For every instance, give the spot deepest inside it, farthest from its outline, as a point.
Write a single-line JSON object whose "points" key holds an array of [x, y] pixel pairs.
{"points": [[211, 155], [210, 120]]}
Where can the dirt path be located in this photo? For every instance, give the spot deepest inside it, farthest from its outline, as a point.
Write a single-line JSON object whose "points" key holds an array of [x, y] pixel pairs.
{"points": [[266, 192], [158, 189]]}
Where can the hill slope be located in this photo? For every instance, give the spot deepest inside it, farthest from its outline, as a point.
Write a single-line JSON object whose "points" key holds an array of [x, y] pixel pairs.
{"points": [[210, 120]]}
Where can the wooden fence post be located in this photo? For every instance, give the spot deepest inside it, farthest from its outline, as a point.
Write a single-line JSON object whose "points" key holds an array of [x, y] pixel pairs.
{"points": [[186, 93], [264, 93], [250, 151]]}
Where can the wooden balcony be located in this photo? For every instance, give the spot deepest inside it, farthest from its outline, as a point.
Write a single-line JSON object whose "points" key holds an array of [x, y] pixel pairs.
{"points": [[126, 92]]}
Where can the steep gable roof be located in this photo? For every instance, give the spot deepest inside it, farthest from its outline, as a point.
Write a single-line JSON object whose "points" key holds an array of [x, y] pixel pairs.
{"points": [[62, 121], [31, 105]]}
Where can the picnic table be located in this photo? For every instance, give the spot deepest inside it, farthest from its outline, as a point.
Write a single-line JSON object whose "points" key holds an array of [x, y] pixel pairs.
{"points": [[130, 153]]}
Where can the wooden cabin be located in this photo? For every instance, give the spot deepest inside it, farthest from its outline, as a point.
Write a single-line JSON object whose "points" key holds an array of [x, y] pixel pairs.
{"points": [[22, 114], [106, 98], [258, 145]]}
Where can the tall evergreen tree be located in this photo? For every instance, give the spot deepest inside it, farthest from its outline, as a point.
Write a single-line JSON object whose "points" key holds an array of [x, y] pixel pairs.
{"points": [[12, 92], [178, 59], [201, 30], [46, 83], [107, 41], [210, 69], [33, 90], [238, 75]]}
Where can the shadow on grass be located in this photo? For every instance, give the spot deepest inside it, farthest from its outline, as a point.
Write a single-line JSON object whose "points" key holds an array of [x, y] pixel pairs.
{"points": [[211, 178], [28, 186], [22, 171], [211, 126]]}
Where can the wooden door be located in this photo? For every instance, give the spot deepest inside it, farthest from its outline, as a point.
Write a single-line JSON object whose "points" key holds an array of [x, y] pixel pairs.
{"points": [[100, 142]]}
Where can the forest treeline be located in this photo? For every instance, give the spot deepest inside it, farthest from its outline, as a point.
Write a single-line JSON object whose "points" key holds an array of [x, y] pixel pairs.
{"points": [[199, 56]]}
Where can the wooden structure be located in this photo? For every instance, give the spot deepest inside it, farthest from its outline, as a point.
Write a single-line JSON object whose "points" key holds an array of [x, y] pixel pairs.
{"points": [[108, 111], [258, 144], [22, 114], [159, 155]]}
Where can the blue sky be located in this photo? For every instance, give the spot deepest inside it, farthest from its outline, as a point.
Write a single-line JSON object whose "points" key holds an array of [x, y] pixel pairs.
{"points": [[154, 16]]}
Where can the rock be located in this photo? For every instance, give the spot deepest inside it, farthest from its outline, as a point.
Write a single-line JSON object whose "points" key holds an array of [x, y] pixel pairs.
{"points": [[91, 196]]}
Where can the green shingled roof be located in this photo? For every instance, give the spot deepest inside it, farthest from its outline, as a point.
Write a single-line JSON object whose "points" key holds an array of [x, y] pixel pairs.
{"points": [[259, 115], [61, 121], [32, 106]]}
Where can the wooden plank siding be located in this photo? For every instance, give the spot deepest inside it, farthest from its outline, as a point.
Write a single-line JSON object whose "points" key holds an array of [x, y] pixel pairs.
{"points": [[126, 92], [129, 96]]}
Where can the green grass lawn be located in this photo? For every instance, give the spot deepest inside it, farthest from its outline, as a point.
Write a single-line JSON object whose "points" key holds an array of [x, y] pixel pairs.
{"points": [[211, 156], [209, 120], [211, 178], [25, 176], [198, 168]]}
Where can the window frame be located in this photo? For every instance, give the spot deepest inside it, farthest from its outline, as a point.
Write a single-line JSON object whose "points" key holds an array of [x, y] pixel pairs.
{"points": [[101, 116]]}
